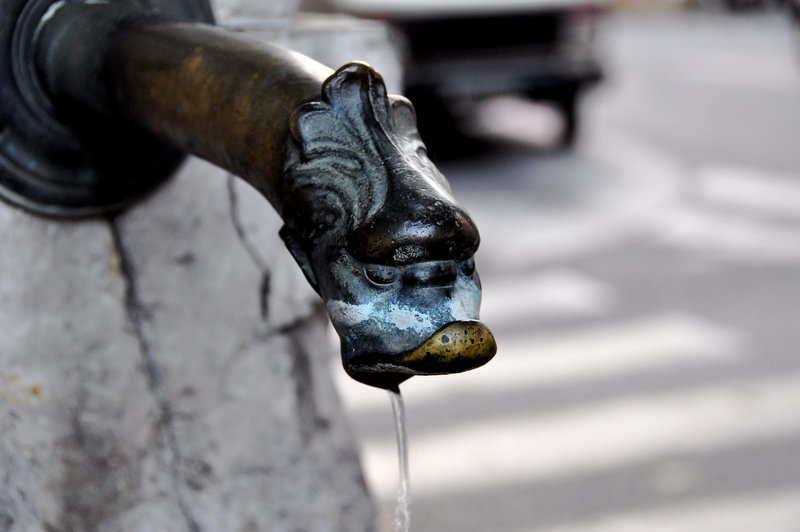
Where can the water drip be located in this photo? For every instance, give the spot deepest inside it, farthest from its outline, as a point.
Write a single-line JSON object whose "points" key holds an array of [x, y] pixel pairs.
{"points": [[402, 513]]}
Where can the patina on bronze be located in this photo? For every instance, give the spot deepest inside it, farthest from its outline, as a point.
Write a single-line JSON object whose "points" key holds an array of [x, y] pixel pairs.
{"points": [[372, 224], [368, 217]]}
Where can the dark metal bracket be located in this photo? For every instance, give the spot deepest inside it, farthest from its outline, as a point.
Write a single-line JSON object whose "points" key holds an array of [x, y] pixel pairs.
{"points": [[62, 161]]}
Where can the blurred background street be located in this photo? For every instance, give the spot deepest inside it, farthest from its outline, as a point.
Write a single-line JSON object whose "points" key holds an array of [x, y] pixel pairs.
{"points": [[644, 288]]}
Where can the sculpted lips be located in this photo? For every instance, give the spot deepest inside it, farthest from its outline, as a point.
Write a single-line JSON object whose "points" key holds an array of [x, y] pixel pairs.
{"points": [[456, 347]]}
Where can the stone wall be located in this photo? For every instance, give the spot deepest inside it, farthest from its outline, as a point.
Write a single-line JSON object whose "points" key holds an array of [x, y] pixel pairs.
{"points": [[168, 369]]}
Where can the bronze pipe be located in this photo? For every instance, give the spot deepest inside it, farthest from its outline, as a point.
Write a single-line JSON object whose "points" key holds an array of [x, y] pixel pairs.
{"points": [[220, 96], [225, 99]]}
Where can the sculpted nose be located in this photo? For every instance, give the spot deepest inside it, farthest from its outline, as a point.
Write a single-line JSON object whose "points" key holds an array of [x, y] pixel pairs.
{"points": [[433, 274]]}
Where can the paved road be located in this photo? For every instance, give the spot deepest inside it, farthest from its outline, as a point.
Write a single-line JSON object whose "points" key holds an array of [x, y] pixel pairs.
{"points": [[645, 292]]}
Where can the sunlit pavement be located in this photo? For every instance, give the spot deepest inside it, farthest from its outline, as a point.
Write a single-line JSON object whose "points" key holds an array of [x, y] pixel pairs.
{"points": [[645, 294]]}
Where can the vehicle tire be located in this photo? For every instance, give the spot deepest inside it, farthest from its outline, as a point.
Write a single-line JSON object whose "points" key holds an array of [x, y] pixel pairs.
{"points": [[567, 103], [438, 127]]}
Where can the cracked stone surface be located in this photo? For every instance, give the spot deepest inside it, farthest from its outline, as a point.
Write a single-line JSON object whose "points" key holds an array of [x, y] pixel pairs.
{"points": [[77, 424], [150, 381]]}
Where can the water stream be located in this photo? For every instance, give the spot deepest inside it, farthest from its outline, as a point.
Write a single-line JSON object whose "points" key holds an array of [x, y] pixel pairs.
{"points": [[402, 512]]}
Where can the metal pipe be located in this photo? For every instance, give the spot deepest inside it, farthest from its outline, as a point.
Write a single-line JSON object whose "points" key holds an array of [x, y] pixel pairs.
{"points": [[368, 218], [212, 93]]}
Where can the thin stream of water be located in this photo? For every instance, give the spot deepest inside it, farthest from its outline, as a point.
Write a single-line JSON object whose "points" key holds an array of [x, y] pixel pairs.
{"points": [[402, 512]]}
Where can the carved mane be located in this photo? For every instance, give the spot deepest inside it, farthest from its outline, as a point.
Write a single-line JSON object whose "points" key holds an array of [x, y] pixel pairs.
{"points": [[344, 150]]}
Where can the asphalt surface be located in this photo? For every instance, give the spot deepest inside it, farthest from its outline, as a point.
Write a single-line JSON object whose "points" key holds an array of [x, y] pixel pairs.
{"points": [[645, 293]]}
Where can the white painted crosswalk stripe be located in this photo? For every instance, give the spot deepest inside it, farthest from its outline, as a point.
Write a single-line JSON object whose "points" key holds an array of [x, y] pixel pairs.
{"points": [[530, 447], [549, 295], [773, 512], [728, 236], [754, 189]]}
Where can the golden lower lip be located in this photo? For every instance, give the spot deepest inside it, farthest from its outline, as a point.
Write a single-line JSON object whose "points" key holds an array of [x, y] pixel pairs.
{"points": [[458, 346]]}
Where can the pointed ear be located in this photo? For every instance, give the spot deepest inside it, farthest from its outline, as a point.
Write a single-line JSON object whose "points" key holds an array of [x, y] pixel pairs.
{"points": [[295, 245]]}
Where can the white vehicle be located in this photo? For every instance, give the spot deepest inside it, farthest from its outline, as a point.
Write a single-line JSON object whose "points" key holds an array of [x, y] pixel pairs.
{"points": [[461, 51]]}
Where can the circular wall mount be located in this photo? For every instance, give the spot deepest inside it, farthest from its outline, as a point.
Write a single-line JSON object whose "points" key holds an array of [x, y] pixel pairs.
{"points": [[56, 162]]}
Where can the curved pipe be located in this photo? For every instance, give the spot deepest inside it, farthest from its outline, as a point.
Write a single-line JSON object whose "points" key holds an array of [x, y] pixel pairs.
{"points": [[368, 218]]}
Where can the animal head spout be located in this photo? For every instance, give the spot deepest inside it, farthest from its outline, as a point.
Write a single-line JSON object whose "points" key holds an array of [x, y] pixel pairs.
{"points": [[373, 225]]}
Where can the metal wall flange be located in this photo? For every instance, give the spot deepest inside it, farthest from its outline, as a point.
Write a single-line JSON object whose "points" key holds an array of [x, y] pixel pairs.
{"points": [[60, 160]]}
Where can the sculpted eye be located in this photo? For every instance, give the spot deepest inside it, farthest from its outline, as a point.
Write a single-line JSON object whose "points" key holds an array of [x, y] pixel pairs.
{"points": [[467, 267], [380, 275]]}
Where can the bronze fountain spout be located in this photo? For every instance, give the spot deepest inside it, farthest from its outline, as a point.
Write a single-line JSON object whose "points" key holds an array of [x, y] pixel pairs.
{"points": [[101, 100]]}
